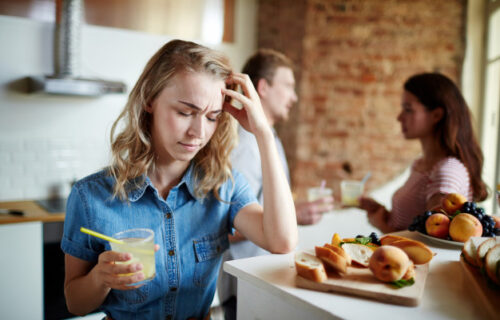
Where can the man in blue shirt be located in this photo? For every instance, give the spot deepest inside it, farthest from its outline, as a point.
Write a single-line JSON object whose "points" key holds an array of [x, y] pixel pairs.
{"points": [[272, 75]]}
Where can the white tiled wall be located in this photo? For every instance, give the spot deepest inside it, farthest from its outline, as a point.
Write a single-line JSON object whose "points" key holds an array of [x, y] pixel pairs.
{"points": [[41, 168], [47, 141]]}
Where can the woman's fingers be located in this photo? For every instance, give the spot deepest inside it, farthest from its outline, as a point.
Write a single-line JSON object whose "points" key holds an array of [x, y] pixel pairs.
{"points": [[116, 275], [238, 96], [244, 81]]}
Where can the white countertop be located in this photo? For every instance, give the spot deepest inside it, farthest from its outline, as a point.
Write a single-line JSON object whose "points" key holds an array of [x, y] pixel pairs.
{"points": [[446, 295]]}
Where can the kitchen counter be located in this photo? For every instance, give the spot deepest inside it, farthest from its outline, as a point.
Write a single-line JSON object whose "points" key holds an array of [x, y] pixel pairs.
{"points": [[266, 284], [31, 212]]}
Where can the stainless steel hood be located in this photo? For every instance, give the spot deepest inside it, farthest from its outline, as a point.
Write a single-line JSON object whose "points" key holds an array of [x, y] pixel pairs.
{"points": [[67, 49]]}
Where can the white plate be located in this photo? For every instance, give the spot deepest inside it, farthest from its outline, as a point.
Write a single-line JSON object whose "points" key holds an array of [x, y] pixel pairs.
{"points": [[455, 244]]}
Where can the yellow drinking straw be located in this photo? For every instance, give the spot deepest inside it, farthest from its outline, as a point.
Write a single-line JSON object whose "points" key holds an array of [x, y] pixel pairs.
{"points": [[100, 235]]}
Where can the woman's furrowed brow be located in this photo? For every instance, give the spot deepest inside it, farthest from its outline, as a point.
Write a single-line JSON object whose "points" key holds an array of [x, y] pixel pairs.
{"points": [[192, 106], [195, 107]]}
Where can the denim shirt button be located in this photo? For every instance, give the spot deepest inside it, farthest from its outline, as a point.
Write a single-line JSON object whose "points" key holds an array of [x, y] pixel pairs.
{"points": [[218, 248], [169, 215], [173, 289], [169, 317], [171, 252]]}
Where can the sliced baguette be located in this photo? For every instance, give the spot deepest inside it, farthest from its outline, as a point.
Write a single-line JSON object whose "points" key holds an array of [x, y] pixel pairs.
{"points": [[470, 249], [483, 249], [492, 264], [390, 238], [310, 267], [340, 251], [359, 253], [332, 259], [417, 251]]}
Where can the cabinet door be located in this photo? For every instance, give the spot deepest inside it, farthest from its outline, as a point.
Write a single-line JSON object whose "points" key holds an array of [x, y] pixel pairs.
{"points": [[21, 271]]}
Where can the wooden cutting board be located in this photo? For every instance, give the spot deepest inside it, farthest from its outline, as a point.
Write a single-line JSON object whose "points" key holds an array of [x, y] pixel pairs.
{"points": [[484, 294], [361, 282]]}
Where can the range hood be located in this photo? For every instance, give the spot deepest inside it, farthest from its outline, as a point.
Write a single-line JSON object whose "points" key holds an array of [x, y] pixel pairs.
{"points": [[67, 79]]}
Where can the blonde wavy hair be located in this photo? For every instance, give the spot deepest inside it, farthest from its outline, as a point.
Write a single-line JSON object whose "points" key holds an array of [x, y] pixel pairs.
{"points": [[132, 152]]}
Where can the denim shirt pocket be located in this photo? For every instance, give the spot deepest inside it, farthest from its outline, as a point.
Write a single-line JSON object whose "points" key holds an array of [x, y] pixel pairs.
{"points": [[208, 251]]}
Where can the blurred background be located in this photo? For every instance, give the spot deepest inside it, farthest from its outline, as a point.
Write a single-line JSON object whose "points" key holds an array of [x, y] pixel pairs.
{"points": [[351, 58]]}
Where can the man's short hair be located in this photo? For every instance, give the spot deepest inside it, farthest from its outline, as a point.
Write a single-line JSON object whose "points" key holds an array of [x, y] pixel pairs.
{"points": [[263, 65]]}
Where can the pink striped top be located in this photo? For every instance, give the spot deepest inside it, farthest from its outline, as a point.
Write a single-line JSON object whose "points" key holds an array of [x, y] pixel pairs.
{"points": [[447, 176]]}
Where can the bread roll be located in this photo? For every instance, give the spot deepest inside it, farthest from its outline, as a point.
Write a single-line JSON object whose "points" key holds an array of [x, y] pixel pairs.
{"points": [[359, 253], [341, 251], [310, 267], [332, 259], [492, 264], [470, 247], [483, 249]]}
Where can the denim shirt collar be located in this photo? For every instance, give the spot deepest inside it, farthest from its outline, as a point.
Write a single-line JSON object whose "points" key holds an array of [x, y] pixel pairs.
{"points": [[143, 182]]}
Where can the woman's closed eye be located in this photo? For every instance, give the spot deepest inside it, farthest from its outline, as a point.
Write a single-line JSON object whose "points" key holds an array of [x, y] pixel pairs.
{"points": [[185, 114], [214, 115]]}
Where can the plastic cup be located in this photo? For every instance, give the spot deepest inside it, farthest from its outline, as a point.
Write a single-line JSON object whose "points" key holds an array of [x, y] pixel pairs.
{"points": [[350, 192], [316, 193], [140, 244]]}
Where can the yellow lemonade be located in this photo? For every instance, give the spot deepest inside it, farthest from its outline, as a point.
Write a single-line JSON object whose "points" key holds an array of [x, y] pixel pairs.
{"points": [[350, 192], [141, 247]]}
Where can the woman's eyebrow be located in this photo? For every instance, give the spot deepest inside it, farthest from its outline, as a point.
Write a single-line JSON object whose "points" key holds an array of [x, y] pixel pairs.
{"points": [[195, 107], [192, 106]]}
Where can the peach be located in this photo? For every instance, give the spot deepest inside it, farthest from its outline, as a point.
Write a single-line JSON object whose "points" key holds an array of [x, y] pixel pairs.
{"points": [[463, 226], [389, 263], [453, 202], [437, 225], [497, 220]]}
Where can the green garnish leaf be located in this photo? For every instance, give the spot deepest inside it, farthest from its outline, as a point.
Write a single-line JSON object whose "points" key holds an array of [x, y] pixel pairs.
{"points": [[455, 214], [360, 240], [363, 240], [403, 283]]}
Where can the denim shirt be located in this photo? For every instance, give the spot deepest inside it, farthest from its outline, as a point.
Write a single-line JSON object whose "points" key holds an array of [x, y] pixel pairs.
{"points": [[192, 234]]}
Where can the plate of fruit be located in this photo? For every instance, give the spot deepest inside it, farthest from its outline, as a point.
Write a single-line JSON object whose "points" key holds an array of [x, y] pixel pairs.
{"points": [[455, 222]]}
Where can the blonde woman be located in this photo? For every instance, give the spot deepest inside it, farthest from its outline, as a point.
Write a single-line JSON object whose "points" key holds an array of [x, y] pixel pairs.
{"points": [[171, 173]]}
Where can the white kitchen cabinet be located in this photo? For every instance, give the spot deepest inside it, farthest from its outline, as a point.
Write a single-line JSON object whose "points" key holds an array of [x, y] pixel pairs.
{"points": [[21, 271]]}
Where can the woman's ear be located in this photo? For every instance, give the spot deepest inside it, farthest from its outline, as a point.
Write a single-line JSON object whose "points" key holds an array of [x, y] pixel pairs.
{"points": [[148, 108], [437, 114]]}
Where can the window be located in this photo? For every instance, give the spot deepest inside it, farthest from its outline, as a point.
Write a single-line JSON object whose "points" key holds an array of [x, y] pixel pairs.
{"points": [[490, 128]]}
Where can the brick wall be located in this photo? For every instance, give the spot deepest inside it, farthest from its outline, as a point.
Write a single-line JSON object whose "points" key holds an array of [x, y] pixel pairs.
{"points": [[352, 58]]}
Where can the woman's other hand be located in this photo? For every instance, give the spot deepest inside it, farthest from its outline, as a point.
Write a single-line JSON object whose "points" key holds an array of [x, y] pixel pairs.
{"points": [[369, 204]]}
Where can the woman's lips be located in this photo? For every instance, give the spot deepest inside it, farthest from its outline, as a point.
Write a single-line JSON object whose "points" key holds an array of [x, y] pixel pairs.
{"points": [[189, 146]]}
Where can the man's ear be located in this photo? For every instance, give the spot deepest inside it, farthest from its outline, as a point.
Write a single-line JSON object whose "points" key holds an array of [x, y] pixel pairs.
{"points": [[262, 87], [437, 114]]}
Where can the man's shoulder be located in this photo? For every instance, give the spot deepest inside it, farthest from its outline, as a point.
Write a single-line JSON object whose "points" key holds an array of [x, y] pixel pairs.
{"points": [[246, 136], [247, 146]]}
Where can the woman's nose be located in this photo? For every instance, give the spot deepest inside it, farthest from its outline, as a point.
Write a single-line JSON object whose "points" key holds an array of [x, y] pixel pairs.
{"points": [[196, 128]]}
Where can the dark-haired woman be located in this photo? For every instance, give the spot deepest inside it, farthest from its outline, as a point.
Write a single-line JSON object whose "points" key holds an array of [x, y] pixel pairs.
{"points": [[434, 112]]}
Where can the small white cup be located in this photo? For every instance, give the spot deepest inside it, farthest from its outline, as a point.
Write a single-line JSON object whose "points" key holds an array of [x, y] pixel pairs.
{"points": [[139, 243], [316, 193], [350, 192]]}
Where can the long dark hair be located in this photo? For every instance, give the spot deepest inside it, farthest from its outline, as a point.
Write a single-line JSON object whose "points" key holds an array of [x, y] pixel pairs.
{"points": [[454, 130]]}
